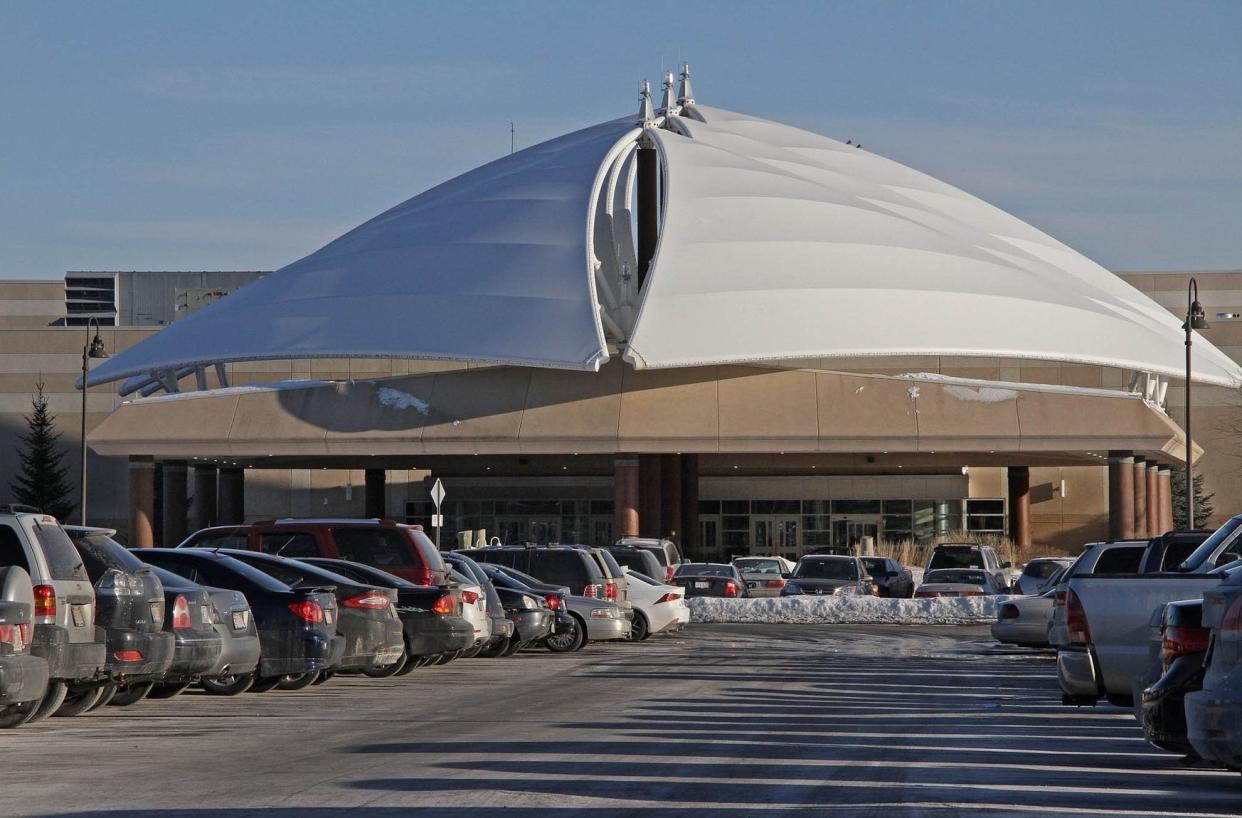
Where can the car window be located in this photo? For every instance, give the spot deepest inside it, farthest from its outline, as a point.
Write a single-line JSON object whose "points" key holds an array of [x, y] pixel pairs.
{"points": [[63, 560], [238, 540], [562, 567], [614, 568], [1041, 570], [171, 580], [11, 551], [1122, 560], [1176, 554], [702, 569], [100, 552], [955, 558], [209, 572], [1228, 531], [753, 566], [292, 544], [875, 566], [659, 553], [370, 546], [427, 550], [826, 569], [185, 571]]}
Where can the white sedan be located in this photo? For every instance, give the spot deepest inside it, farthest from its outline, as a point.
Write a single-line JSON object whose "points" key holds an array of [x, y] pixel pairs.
{"points": [[1024, 620], [658, 608]]}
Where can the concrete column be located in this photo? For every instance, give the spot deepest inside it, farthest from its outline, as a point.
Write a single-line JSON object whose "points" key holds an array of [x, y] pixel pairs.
{"points": [[175, 502], [625, 496], [1140, 499], [1020, 505], [1153, 501], [141, 502], [671, 495], [1120, 496], [689, 530], [1165, 484], [204, 496], [231, 506], [376, 497], [650, 523]]}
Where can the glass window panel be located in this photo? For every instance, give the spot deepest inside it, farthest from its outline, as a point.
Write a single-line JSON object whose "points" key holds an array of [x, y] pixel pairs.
{"points": [[816, 507], [709, 506], [735, 507], [896, 506], [735, 523], [735, 539], [601, 506], [898, 521], [985, 506], [855, 506], [817, 538]]}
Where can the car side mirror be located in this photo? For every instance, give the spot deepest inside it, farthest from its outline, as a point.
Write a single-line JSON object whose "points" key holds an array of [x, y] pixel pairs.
{"points": [[1006, 564], [786, 575]]}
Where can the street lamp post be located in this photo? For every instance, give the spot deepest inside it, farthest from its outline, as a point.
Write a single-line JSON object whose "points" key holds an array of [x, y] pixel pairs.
{"points": [[93, 348], [1195, 320]]}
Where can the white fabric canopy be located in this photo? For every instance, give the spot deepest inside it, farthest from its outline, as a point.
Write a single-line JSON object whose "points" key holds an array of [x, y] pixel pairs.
{"points": [[779, 243]]}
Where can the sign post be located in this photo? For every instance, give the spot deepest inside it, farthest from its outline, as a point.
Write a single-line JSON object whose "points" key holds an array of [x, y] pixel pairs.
{"points": [[437, 497]]}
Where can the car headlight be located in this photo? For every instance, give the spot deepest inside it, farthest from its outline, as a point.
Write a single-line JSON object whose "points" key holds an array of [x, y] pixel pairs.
{"points": [[605, 613]]}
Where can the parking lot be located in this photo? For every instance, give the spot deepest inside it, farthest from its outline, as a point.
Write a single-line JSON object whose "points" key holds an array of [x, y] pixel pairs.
{"points": [[739, 719]]}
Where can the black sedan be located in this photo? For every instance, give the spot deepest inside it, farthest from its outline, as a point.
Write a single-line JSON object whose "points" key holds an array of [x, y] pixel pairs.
{"points": [[232, 623], [430, 614], [1179, 670], [368, 614], [129, 606], [890, 578], [297, 626], [710, 579]]}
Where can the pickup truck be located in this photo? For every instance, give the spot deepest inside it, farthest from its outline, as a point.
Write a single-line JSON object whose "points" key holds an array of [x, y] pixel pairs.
{"points": [[1107, 619]]}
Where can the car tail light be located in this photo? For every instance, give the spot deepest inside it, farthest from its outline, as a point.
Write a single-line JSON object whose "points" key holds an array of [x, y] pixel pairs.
{"points": [[1181, 641], [730, 588], [875, 589], [554, 602], [369, 601], [610, 590], [969, 593], [14, 636], [1076, 620], [926, 594], [776, 583], [1007, 611], [44, 601], [307, 610], [469, 597], [128, 655], [445, 605], [181, 613], [424, 577], [668, 598], [589, 591], [1059, 599], [1232, 622], [668, 573]]}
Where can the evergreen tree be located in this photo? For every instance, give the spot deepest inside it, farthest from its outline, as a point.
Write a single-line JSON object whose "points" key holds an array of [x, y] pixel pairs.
{"points": [[41, 481], [1203, 502]]}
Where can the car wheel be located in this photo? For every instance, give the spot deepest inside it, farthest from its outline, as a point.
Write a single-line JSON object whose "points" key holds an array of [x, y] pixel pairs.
{"points": [[79, 700], [384, 671], [264, 684], [445, 658], [230, 685], [410, 664], [569, 641], [495, 650], [16, 714], [167, 691], [470, 653], [639, 629], [514, 646], [324, 675], [109, 690], [129, 695], [297, 681], [52, 699]]}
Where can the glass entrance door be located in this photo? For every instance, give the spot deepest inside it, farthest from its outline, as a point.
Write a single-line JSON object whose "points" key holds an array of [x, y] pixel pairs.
{"points": [[848, 533], [774, 536], [542, 530]]}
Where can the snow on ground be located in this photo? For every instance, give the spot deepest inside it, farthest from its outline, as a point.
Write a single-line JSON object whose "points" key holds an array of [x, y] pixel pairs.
{"points": [[847, 610]]}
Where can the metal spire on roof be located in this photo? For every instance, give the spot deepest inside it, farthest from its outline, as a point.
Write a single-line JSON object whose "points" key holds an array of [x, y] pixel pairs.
{"points": [[645, 114], [666, 107], [687, 95]]}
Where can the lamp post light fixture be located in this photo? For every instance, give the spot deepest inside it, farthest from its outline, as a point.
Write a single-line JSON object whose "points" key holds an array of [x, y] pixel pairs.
{"points": [[1195, 320], [93, 348]]}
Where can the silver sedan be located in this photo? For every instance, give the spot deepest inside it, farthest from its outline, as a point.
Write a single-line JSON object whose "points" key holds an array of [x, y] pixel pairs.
{"points": [[1024, 620]]}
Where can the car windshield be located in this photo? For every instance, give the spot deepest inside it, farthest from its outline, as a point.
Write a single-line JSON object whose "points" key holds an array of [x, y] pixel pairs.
{"points": [[965, 556], [704, 569], [169, 580], [1041, 570], [521, 576], [956, 577], [100, 553], [1226, 533], [641, 577], [875, 565], [752, 565], [63, 560], [384, 547], [826, 569]]}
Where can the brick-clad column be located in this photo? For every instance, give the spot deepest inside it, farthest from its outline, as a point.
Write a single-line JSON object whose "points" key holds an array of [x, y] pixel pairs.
{"points": [[1153, 501], [1120, 496], [650, 488], [689, 530], [1165, 483], [625, 496], [1020, 505], [671, 495], [1140, 499], [141, 502]]}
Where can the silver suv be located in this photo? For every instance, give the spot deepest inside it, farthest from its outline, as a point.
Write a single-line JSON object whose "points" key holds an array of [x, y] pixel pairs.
{"points": [[64, 600]]}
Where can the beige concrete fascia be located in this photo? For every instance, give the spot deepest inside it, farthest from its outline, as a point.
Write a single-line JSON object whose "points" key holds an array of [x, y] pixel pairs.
{"points": [[789, 417], [861, 413], [669, 410]]}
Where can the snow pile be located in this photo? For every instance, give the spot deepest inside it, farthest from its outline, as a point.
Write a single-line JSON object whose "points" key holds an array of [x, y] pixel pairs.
{"points": [[397, 399], [847, 610]]}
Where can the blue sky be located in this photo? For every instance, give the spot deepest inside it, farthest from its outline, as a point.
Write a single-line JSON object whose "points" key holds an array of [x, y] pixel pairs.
{"points": [[245, 135]]}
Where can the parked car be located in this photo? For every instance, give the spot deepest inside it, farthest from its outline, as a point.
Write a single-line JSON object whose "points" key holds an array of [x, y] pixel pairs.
{"points": [[959, 582], [824, 574], [597, 620], [1107, 618], [130, 607], [967, 555], [1180, 646], [431, 617], [233, 623], [367, 613], [1167, 551], [666, 551], [616, 586], [399, 549], [297, 626], [710, 579], [658, 608], [532, 619], [1214, 713], [556, 598], [64, 602], [642, 560], [891, 578], [563, 565], [1038, 575], [764, 576], [23, 676], [500, 626], [1105, 558], [1025, 620]]}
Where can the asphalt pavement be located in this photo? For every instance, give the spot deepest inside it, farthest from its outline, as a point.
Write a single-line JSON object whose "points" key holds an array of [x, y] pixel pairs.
{"points": [[726, 720]]}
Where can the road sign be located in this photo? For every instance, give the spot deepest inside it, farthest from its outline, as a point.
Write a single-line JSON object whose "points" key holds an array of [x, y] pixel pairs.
{"points": [[437, 520], [437, 493]]}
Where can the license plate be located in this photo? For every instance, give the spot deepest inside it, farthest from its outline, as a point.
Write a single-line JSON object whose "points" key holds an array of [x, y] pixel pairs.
{"points": [[329, 615], [239, 620], [79, 615], [204, 613], [702, 585]]}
